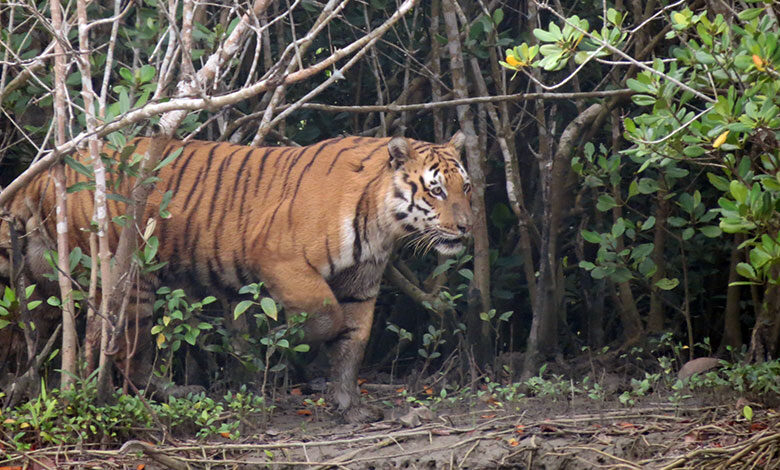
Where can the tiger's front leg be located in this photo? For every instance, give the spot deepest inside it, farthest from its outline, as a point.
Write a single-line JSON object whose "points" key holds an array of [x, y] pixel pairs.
{"points": [[346, 354], [343, 328]]}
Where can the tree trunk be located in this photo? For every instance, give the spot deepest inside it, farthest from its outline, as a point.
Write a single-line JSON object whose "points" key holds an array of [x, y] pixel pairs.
{"points": [[732, 328], [655, 317], [763, 340], [69, 338], [479, 291]]}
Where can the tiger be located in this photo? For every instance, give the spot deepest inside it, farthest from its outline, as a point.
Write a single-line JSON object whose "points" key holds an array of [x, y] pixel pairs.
{"points": [[315, 224]]}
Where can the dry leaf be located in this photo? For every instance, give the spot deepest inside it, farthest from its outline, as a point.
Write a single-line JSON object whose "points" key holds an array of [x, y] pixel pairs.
{"points": [[362, 381], [520, 429], [225, 434], [428, 390], [758, 426], [296, 391], [304, 412], [547, 428], [626, 425], [489, 416], [513, 442], [140, 466]]}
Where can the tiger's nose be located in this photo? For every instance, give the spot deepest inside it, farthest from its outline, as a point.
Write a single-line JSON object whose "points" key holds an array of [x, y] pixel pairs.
{"points": [[463, 219]]}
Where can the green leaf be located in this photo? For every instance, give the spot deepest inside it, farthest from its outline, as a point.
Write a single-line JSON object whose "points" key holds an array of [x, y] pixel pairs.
{"points": [[241, 308], [643, 100], [738, 190], [746, 270], [168, 159], [747, 412], [639, 87], [693, 151], [587, 265], [146, 74], [667, 284], [269, 308], [710, 231], [440, 269], [633, 189], [688, 233], [605, 203], [498, 16], [591, 237], [301, 348], [749, 14], [78, 166], [719, 182], [467, 273], [546, 36]]}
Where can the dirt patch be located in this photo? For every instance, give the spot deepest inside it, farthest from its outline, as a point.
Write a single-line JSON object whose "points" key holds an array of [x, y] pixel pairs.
{"points": [[531, 433]]}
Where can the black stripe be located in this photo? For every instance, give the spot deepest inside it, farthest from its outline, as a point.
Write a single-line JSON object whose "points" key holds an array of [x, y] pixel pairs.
{"points": [[244, 276], [259, 177], [282, 155], [183, 169], [362, 211], [331, 265], [240, 171], [214, 277], [411, 199], [215, 190], [300, 178], [339, 153], [354, 300], [200, 176], [205, 174], [371, 154]]}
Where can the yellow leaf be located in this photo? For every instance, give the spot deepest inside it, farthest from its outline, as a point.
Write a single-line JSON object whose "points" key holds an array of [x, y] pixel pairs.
{"points": [[679, 18], [759, 62], [160, 340], [721, 138], [513, 62]]}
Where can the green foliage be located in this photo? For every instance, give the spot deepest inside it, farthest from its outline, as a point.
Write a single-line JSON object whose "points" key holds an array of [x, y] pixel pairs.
{"points": [[177, 319], [60, 417], [9, 305]]}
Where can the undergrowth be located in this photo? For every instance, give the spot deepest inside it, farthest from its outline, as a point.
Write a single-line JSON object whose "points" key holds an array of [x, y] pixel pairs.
{"points": [[71, 416]]}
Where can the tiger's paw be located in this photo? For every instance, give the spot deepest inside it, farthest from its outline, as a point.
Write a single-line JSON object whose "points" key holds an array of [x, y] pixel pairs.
{"points": [[362, 414]]}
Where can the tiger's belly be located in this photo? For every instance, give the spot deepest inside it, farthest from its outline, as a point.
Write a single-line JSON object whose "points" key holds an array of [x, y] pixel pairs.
{"points": [[358, 282]]}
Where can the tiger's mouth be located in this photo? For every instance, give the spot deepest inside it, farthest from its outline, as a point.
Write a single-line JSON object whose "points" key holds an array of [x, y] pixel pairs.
{"points": [[448, 244]]}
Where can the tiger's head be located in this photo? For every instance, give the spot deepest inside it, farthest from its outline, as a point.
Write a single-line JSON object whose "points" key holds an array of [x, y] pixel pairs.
{"points": [[431, 193]]}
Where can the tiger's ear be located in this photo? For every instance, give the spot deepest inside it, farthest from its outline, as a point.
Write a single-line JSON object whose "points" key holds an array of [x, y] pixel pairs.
{"points": [[399, 152], [457, 140]]}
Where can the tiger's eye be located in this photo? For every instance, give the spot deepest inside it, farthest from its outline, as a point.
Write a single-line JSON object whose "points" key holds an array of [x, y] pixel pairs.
{"points": [[437, 191]]}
